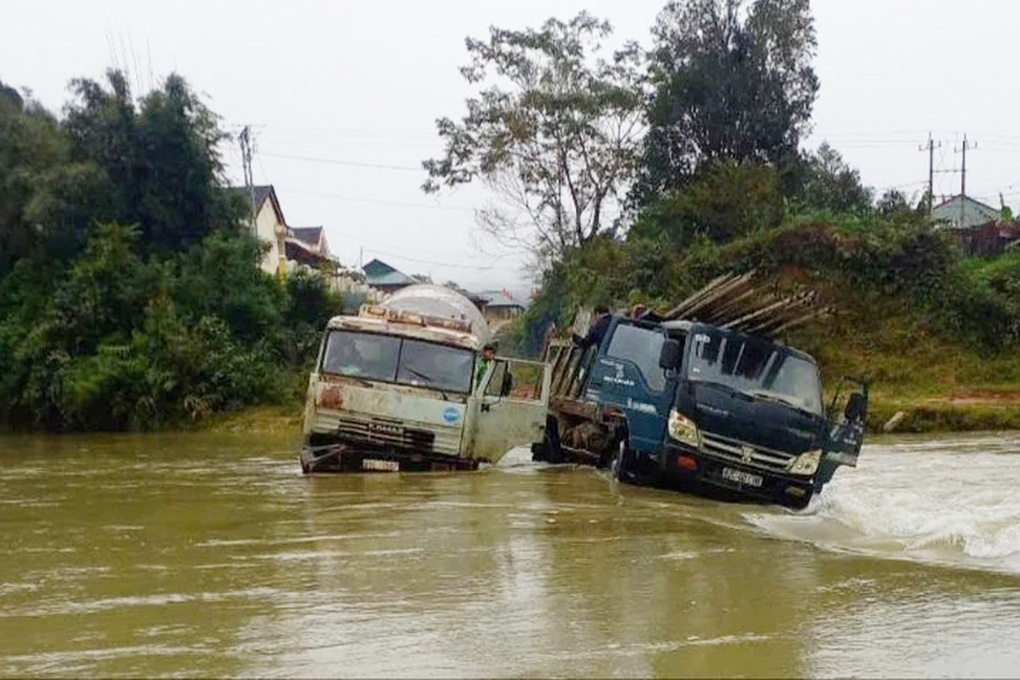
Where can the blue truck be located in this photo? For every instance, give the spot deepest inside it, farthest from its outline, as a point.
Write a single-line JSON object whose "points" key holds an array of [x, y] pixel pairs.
{"points": [[701, 407]]}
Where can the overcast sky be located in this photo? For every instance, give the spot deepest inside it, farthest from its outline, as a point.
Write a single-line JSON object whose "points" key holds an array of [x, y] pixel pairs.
{"points": [[334, 89]]}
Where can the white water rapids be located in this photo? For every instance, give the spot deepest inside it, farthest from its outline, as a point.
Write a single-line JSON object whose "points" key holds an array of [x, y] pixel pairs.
{"points": [[953, 500]]}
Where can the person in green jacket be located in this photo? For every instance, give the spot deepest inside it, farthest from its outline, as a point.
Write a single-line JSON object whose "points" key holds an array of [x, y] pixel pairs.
{"points": [[488, 356]]}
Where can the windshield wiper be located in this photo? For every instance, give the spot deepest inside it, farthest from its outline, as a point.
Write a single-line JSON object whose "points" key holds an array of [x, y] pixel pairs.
{"points": [[781, 399], [419, 374], [734, 392], [427, 379]]}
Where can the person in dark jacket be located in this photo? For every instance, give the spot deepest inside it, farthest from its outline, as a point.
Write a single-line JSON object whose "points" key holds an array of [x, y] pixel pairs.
{"points": [[597, 330]]}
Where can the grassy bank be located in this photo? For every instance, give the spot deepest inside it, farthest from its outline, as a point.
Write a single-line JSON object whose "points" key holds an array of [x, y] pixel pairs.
{"points": [[945, 414], [269, 419]]}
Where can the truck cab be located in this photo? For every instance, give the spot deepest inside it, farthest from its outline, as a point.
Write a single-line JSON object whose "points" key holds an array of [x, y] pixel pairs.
{"points": [[396, 388], [701, 407]]}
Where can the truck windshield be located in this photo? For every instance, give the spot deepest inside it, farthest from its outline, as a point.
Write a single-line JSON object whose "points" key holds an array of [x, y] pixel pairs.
{"points": [[400, 360], [755, 367]]}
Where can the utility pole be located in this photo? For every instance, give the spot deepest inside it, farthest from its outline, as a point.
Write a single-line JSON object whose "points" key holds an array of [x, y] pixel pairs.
{"points": [[931, 171], [249, 182], [963, 177], [963, 165]]}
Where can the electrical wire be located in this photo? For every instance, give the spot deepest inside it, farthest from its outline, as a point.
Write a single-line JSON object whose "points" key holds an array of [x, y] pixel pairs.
{"points": [[377, 201], [354, 164]]}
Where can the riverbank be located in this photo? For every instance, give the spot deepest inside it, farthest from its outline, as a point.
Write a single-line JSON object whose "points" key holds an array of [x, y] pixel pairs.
{"points": [[967, 410], [267, 419]]}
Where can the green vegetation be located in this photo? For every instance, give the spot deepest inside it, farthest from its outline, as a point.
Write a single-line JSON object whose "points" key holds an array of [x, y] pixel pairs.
{"points": [[130, 292]]}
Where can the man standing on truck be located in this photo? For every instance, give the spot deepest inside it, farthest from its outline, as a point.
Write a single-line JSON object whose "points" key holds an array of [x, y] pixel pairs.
{"points": [[488, 355], [598, 329]]}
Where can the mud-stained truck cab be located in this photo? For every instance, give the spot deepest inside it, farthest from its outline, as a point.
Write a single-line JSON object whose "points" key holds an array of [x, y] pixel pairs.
{"points": [[399, 387]]}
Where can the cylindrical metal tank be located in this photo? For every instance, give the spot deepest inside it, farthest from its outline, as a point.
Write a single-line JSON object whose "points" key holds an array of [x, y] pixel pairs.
{"points": [[440, 301]]}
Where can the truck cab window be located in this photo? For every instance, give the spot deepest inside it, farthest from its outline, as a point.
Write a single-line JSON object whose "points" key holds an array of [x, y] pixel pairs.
{"points": [[640, 346]]}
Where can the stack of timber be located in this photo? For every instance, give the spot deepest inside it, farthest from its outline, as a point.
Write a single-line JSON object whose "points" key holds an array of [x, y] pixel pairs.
{"points": [[736, 301]]}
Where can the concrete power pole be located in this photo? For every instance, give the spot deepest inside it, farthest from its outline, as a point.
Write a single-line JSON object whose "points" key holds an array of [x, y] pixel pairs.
{"points": [[931, 171], [963, 177], [249, 182]]}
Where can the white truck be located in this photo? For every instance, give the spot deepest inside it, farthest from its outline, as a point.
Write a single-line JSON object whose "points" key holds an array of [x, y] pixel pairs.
{"points": [[398, 387]]}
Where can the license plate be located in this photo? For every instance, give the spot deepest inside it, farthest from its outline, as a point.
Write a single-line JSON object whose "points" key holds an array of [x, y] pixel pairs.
{"points": [[380, 465], [741, 477]]}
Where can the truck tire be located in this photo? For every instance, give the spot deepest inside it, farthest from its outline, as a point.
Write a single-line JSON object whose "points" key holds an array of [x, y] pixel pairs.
{"points": [[548, 451], [623, 463]]}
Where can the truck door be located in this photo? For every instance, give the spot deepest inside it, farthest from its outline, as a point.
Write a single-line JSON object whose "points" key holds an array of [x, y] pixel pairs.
{"points": [[627, 375], [846, 435], [512, 401]]}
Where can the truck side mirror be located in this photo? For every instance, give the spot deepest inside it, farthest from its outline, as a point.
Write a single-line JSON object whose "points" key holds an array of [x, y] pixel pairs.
{"points": [[669, 355], [507, 384]]}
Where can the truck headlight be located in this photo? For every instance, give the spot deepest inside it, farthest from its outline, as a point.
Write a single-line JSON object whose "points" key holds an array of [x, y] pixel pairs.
{"points": [[683, 429], [806, 463]]}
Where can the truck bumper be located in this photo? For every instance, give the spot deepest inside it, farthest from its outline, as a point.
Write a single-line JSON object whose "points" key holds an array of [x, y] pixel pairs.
{"points": [[682, 467], [346, 458]]}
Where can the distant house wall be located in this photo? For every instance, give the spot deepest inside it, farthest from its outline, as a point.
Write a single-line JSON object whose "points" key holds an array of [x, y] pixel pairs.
{"points": [[987, 240], [962, 212], [267, 225], [501, 313]]}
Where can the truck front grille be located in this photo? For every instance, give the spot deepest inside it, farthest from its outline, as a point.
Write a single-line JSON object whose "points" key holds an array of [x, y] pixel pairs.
{"points": [[727, 448], [408, 436]]}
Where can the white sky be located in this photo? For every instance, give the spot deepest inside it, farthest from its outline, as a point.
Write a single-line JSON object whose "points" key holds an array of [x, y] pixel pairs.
{"points": [[363, 81]]}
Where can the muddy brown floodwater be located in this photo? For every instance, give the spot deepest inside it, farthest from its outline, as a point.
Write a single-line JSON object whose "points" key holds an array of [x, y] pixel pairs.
{"points": [[211, 555]]}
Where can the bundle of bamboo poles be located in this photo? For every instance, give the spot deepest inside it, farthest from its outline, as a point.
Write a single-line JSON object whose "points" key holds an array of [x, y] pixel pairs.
{"points": [[736, 301]]}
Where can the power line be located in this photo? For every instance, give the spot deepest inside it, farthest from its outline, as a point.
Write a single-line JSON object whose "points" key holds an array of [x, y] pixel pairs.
{"points": [[355, 164], [377, 201], [445, 264], [352, 237]]}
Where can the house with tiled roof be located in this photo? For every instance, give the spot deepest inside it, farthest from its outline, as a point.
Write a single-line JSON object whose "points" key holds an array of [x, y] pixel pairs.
{"points": [[270, 226], [307, 245], [286, 247]]}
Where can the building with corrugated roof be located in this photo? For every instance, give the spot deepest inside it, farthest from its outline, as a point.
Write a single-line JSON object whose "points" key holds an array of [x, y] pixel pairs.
{"points": [[500, 305], [383, 277], [962, 212], [978, 228]]}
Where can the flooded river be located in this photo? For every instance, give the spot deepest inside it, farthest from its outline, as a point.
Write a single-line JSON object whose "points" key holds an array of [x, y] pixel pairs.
{"points": [[211, 555]]}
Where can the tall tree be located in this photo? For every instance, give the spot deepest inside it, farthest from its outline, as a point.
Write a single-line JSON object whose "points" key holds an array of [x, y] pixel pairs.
{"points": [[32, 145], [554, 130], [160, 158], [731, 83]]}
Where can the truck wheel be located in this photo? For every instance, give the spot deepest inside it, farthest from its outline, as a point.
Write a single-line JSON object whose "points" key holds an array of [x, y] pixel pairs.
{"points": [[623, 463], [548, 450]]}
